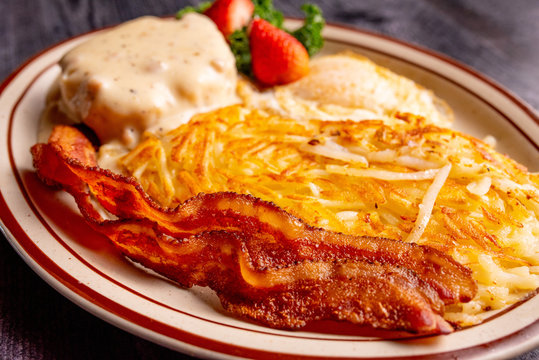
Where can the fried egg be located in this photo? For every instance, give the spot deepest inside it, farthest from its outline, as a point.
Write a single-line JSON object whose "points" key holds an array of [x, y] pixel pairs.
{"points": [[348, 86]]}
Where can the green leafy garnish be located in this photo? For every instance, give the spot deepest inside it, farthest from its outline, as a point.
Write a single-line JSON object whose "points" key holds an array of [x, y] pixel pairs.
{"points": [[239, 45], [198, 9], [310, 34], [264, 9]]}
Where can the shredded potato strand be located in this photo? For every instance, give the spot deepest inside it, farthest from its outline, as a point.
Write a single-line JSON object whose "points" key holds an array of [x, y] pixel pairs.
{"points": [[382, 174], [426, 206]]}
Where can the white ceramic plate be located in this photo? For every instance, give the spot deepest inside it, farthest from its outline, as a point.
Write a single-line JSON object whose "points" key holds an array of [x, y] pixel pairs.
{"points": [[46, 229]]}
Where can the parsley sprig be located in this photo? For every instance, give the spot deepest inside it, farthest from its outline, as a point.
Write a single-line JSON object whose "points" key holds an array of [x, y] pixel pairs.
{"points": [[203, 6], [310, 34]]}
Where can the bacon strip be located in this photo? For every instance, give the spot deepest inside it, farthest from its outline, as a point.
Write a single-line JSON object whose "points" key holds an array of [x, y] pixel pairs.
{"points": [[262, 262]]}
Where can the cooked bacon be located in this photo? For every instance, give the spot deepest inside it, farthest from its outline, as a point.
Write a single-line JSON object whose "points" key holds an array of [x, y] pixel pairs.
{"points": [[262, 262]]}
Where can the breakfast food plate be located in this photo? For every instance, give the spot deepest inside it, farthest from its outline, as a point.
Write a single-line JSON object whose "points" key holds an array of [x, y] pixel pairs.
{"points": [[46, 230]]}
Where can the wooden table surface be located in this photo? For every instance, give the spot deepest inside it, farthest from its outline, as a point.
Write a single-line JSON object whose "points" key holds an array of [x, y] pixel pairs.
{"points": [[499, 38]]}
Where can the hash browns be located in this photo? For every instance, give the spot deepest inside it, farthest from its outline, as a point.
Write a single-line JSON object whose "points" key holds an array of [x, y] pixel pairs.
{"points": [[485, 214]]}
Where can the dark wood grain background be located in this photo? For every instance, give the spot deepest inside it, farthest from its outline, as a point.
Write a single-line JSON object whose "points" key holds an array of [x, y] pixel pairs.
{"points": [[499, 38]]}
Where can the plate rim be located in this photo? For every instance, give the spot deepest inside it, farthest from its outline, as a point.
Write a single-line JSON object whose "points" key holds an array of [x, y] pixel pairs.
{"points": [[79, 299]]}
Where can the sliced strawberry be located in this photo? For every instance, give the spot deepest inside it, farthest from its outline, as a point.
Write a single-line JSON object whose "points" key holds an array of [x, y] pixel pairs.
{"points": [[277, 57], [230, 15]]}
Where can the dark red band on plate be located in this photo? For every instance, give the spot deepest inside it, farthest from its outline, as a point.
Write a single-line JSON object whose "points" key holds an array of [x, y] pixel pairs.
{"points": [[64, 278]]}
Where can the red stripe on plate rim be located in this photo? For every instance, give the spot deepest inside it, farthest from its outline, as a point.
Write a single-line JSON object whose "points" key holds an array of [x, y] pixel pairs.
{"points": [[119, 310]]}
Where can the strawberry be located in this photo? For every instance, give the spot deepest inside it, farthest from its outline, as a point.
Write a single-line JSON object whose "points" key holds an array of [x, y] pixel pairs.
{"points": [[277, 57], [230, 15]]}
